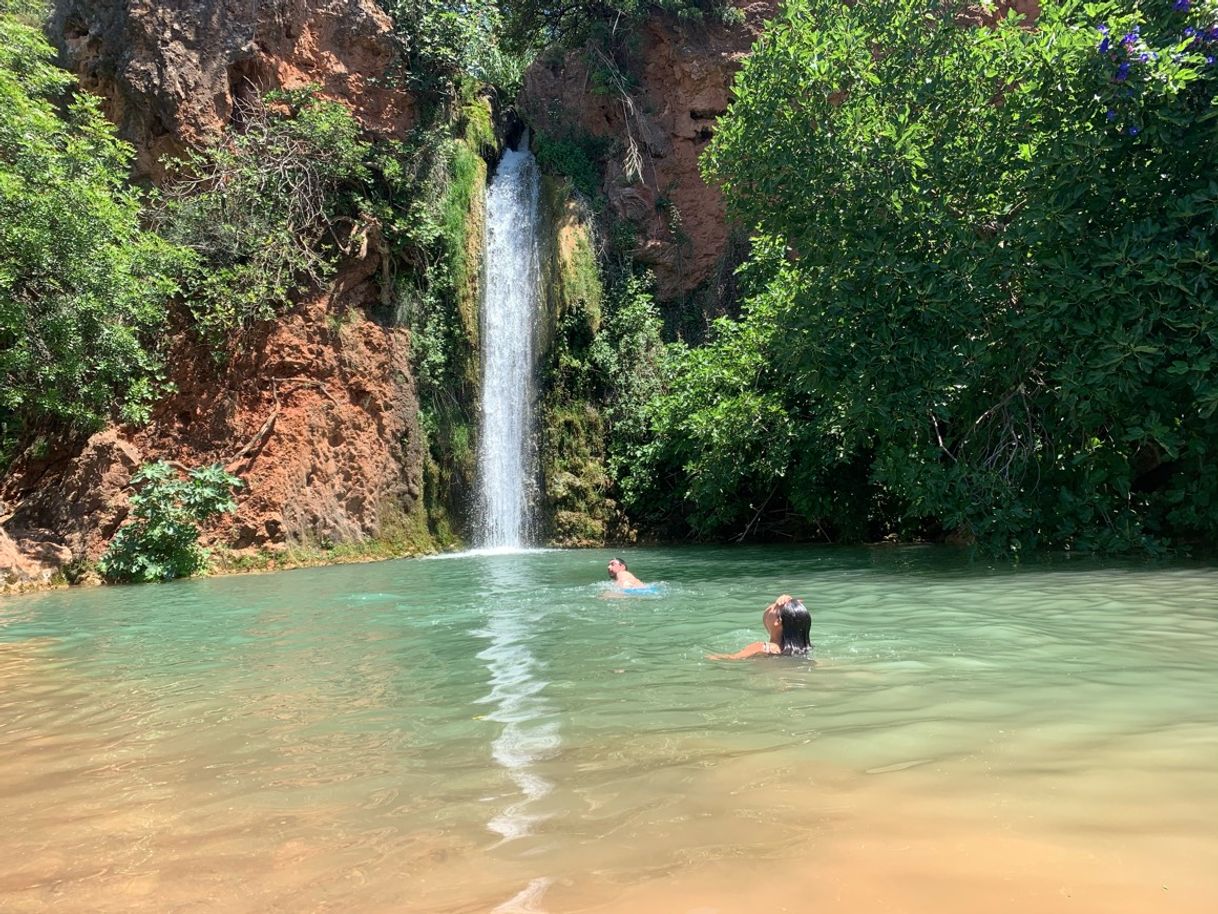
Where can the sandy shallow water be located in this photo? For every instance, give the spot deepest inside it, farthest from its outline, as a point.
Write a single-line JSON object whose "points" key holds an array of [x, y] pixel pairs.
{"points": [[492, 734]]}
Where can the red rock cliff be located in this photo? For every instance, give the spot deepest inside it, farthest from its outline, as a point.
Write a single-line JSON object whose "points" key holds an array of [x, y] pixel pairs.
{"points": [[683, 85], [170, 70], [317, 412]]}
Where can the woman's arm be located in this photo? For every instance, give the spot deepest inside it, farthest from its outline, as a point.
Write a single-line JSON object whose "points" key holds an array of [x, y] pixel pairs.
{"points": [[752, 650]]}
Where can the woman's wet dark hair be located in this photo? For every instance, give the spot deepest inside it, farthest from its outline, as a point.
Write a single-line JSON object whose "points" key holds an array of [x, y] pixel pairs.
{"points": [[796, 625]]}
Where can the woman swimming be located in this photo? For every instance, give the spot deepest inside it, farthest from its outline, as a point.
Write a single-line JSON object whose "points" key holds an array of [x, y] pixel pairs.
{"points": [[788, 622]]}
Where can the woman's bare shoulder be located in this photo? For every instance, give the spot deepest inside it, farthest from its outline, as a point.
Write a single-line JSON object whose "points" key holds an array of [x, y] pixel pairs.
{"points": [[752, 650]]}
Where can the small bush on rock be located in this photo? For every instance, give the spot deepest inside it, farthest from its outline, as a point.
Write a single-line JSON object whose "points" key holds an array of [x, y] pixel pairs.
{"points": [[162, 542]]}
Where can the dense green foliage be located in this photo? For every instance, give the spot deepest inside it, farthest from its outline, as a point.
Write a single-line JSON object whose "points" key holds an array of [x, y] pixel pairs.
{"points": [[575, 155], [541, 23], [446, 42], [431, 215], [438, 182], [604, 367], [260, 209], [627, 355], [82, 286], [162, 542], [983, 283]]}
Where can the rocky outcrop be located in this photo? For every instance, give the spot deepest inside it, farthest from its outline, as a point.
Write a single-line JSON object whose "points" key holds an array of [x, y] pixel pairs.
{"points": [[316, 412], [30, 562], [170, 72], [575, 487], [668, 113], [317, 415]]}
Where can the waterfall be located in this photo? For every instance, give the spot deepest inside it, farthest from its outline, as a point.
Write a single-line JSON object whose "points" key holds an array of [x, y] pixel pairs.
{"points": [[506, 453]]}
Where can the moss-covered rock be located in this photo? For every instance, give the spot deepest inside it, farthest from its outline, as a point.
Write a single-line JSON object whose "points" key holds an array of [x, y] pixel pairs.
{"points": [[464, 225], [447, 319], [571, 276], [577, 488], [578, 508]]}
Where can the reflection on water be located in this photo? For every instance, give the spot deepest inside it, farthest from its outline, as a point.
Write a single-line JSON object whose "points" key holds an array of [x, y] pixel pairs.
{"points": [[530, 726], [527, 900], [487, 733], [520, 705]]}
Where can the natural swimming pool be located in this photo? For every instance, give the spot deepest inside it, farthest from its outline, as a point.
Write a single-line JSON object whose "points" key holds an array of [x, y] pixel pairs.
{"points": [[480, 733]]}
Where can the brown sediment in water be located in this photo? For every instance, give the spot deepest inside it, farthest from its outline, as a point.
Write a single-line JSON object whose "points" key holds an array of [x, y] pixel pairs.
{"points": [[113, 808], [121, 823]]}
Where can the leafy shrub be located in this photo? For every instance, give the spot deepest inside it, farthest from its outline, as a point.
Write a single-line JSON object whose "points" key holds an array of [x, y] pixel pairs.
{"points": [[82, 287], [628, 357], [532, 23], [991, 306], [434, 183], [163, 540], [444, 41], [576, 156], [259, 209]]}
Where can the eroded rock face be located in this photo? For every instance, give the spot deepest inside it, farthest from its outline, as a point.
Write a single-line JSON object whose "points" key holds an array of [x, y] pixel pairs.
{"points": [[316, 412], [171, 71], [684, 86], [317, 415], [29, 561]]}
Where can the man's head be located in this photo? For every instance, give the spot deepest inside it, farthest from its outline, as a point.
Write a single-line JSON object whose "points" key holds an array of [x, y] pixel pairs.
{"points": [[616, 567]]}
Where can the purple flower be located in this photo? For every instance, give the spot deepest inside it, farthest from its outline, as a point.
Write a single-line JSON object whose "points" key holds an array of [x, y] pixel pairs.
{"points": [[1189, 31], [1134, 131], [1209, 58], [1122, 72], [1111, 115], [1104, 46], [1181, 6], [1143, 57], [1103, 29]]}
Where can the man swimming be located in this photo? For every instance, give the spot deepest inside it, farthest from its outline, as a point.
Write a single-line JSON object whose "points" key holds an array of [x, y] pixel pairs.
{"points": [[621, 576]]}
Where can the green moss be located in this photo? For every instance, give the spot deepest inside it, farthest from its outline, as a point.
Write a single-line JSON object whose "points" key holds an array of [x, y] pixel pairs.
{"points": [[401, 534], [576, 528], [463, 217], [570, 271], [449, 470], [440, 305], [578, 277], [578, 507], [448, 473], [577, 488], [225, 561], [479, 125]]}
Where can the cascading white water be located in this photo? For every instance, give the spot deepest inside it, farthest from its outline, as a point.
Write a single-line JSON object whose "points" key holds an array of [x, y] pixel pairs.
{"points": [[506, 454]]}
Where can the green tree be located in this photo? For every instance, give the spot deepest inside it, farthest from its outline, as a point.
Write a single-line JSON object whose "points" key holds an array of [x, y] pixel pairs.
{"points": [[162, 542], [985, 267], [264, 209], [83, 288], [445, 42], [539, 23]]}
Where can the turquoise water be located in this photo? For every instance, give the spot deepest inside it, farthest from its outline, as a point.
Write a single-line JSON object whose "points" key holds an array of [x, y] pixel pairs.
{"points": [[477, 733]]}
